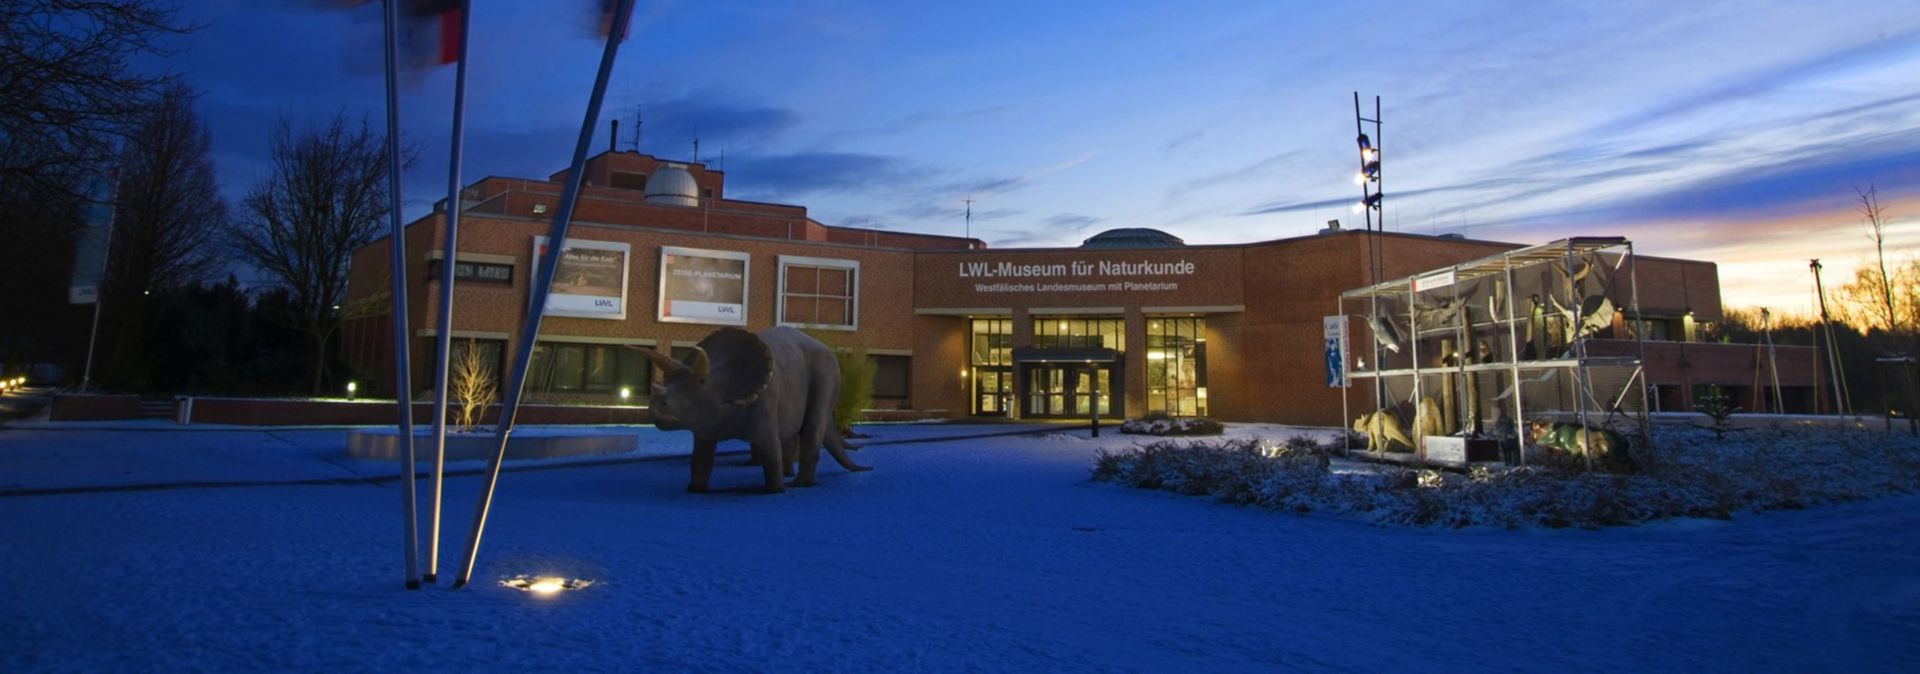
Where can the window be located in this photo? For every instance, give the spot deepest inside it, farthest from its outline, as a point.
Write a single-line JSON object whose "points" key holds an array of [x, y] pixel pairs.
{"points": [[463, 271], [1177, 366], [990, 366], [560, 367], [992, 342], [1079, 332], [890, 376], [629, 181], [819, 293]]}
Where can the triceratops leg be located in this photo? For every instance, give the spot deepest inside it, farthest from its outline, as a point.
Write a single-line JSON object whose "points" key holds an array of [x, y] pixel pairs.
{"points": [[702, 465]]}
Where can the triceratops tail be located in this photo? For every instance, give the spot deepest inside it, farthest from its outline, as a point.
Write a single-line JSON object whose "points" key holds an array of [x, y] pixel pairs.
{"points": [[837, 446]]}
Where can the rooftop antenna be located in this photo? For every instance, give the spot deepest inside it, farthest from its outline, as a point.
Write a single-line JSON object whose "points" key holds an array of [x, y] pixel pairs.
{"points": [[969, 201], [639, 120], [723, 158], [696, 149]]}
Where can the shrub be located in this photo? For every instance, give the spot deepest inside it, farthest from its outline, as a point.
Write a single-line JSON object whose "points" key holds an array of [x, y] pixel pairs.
{"points": [[1692, 476], [1717, 406], [1162, 425], [856, 389]]}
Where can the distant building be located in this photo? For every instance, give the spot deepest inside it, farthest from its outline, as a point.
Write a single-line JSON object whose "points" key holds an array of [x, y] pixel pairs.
{"points": [[660, 257]]}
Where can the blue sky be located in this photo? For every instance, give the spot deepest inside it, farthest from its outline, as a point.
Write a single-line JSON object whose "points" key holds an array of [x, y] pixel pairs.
{"points": [[1733, 132]]}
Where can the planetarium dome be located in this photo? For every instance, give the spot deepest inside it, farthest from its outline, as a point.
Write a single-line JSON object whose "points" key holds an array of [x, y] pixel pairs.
{"points": [[672, 185], [1133, 237]]}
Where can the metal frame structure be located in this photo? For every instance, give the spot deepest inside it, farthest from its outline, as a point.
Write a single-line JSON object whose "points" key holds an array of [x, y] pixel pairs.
{"points": [[1582, 277]]}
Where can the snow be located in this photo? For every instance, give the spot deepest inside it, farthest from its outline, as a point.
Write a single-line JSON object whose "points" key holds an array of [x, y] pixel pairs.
{"points": [[992, 554]]}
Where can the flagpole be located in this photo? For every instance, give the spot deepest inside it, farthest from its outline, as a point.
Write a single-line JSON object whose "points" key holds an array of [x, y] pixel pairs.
{"points": [[542, 284], [402, 387], [443, 337]]}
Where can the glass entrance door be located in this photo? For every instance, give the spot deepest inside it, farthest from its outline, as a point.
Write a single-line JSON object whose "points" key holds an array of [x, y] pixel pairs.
{"points": [[1069, 390], [992, 391]]}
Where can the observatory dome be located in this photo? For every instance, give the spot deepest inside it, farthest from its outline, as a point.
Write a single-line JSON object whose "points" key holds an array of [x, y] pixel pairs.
{"points": [[1133, 237], [672, 185]]}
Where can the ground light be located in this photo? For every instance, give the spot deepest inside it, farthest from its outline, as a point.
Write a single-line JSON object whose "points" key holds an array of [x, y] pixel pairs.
{"points": [[545, 586], [352, 388], [625, 393]]}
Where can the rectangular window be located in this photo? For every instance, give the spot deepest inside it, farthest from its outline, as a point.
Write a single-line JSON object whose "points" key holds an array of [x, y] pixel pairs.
{"points": [[560, 367], [890, 376], [819, 293], [1079, 332], [1177, 366]]}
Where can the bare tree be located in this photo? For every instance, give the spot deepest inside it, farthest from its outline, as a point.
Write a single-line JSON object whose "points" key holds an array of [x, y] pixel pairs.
{"points": [[470, 381], [170, 211], [66, 94], [325, 197], [1876, 230]]}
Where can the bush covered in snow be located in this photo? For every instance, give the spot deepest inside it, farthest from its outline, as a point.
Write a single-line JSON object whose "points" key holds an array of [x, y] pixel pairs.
{"points": [[1161, 424], [1690, 474]]}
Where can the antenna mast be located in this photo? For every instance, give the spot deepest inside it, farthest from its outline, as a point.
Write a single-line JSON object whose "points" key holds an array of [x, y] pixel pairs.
{"points": [[969, 201]]}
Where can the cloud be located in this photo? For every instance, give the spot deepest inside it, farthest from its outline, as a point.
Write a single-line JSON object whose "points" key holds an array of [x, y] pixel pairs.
{"points": [[717, 120], [779, 176], [1072, 220], [1181, 141], [910, 122]]}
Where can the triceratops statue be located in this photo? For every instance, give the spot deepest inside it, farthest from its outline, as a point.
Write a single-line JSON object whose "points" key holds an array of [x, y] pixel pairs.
{"points": [[775, 389]]}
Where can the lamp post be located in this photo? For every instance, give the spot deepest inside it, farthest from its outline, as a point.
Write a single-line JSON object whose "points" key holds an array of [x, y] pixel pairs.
{"points": [[1371, 204]]}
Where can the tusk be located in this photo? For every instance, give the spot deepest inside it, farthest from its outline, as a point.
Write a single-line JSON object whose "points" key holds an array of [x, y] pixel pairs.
{"points": [[700, 366]]}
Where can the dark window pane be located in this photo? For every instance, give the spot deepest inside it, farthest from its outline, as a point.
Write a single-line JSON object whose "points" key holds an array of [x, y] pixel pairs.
{"points": [[540, 370], [569, 367], [890, 378]]}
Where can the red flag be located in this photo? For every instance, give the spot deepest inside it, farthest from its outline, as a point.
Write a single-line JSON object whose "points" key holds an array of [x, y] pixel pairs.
{"points": [[430, 31], [428, 34]]}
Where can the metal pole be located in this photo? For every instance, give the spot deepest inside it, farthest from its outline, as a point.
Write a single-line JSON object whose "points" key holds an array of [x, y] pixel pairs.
{"points": [[1833, 365], [1640, 341], [1579, 359], [112, 189], [1513, 363], [402, 387], [1094, 403], [1373, 266], [1773, 364], [542, 284], [443, 337]]}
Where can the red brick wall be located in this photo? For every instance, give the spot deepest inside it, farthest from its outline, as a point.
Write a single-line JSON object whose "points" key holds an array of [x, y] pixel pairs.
{"points": [[94, 407]]}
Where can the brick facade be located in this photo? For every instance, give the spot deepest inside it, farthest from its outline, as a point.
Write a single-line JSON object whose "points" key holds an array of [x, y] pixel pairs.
{"points": [[1262, 302]]}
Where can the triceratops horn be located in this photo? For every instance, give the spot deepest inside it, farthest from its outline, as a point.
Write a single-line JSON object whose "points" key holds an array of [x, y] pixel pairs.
{"points": [[700, 367], [660, 360]]}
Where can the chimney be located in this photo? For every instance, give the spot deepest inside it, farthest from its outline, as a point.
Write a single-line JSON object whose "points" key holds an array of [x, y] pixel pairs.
{"points": [[613, 139]]}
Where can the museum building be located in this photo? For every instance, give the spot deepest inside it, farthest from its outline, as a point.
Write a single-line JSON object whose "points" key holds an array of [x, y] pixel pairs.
{"points": [[1131, 322]]}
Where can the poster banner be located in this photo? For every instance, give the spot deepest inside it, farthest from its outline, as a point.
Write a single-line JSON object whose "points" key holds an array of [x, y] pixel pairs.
{"points": [[703, 286], [591, 281], [1334, 329], [90, 256]]}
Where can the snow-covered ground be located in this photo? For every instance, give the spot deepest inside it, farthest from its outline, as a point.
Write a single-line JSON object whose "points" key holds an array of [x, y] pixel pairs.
{"points": [[977, 554]]}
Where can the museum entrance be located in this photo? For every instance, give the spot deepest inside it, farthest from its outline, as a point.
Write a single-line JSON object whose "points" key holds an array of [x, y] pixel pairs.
{"points": [[1070, 383], [1069, 390]]}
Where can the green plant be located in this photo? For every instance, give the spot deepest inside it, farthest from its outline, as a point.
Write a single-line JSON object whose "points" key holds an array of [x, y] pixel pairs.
{"points": [[856, 388], [1718, 407]]}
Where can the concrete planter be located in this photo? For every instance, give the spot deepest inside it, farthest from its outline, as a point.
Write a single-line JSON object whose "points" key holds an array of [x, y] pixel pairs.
{"points": [[383, 444]]}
